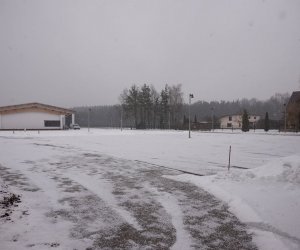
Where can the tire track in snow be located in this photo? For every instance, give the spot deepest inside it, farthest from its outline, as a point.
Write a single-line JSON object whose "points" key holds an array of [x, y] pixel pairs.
{"points": [[103, 189], [170, 204], [84, 179]]}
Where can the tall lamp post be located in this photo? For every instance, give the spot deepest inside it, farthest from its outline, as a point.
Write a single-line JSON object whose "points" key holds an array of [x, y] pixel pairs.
{"points": [[284, 117], [212, 118], [169, 103], [190, 99], [89, 119], [121, 117]]}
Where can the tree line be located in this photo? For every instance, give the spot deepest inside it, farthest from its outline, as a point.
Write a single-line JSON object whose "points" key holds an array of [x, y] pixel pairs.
{"points": [[144, 107]]}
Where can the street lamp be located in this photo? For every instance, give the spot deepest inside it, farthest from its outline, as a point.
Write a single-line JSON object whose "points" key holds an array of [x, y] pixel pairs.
{"points": [[190, 97], [169, 120], [121, 117], [89, 119], [212, 118], [169, 104], [284, 117]]}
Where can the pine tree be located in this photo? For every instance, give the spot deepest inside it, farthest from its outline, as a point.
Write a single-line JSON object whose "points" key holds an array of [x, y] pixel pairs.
{"points": [[164, 107], [267, 122], [185, 120], [245, 121], [145, 106]]}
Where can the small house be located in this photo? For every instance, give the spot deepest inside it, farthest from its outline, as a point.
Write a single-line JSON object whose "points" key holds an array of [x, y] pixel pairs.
{"points": [[235, 121]]}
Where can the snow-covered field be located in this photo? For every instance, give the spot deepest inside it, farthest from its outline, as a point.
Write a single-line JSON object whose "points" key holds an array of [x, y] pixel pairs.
{"points": [[80, 188]]}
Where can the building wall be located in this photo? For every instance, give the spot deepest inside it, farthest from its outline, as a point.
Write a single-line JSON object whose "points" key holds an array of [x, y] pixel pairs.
{"points": [[293, 116], [235, 121], [29, 120]]}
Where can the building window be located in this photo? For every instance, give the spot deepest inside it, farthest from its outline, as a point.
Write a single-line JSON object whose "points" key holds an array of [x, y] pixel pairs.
{"points": [[52, 123], [229, 125], [230, 118]]}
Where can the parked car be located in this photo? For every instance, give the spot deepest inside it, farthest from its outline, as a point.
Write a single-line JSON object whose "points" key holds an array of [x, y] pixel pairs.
{"points": [[74, 126]]}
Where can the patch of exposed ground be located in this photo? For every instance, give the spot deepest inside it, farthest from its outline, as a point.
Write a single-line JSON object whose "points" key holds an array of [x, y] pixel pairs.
{"points": [[16, 179], [142, 191], [8, 201], [207, 220]]}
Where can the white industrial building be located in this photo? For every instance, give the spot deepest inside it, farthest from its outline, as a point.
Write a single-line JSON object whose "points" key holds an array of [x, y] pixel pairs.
{"points": [[34, 116]]}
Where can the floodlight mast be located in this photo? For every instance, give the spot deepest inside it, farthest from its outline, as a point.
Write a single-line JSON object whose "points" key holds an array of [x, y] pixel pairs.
{"points": [[285, 106], [212, 118], [190, 97], [121, 117], [89, 110]]}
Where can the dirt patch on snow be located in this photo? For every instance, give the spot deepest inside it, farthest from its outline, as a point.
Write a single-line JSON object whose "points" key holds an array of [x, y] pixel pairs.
{"points": [[8, 201]]}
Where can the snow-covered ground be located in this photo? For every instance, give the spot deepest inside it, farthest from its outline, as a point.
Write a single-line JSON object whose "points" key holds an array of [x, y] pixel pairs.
{"points": [[262, 187]]}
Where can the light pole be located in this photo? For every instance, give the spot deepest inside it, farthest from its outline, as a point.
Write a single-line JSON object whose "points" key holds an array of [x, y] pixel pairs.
{"points": [[169, 103], [212, 118], [190, 97], [284, 117], [121, 117], [89, 119], [169, 120]]}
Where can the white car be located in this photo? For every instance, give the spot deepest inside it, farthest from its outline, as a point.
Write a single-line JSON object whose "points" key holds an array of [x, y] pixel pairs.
{"points": [[74, 126]]}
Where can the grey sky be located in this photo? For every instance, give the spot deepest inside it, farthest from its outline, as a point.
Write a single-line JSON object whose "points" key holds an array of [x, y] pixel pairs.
{"points": [[72, 53]]}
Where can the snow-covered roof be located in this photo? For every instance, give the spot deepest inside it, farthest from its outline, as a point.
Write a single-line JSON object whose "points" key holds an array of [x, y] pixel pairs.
{"points": [[35, 106]]}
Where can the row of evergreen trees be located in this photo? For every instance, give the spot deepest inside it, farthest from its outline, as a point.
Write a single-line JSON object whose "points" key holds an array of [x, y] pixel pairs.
{"points": [[147, 108]]}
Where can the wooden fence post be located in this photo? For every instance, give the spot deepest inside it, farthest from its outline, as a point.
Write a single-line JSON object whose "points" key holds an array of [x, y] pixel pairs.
{"points": [[229, 157]]}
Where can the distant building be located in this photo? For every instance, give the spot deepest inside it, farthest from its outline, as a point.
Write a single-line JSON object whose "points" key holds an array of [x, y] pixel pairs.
{"points": [[34, 116], [235, 121], [293, 112]]}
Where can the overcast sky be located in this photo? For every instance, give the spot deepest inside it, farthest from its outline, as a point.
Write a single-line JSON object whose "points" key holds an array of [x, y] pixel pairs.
{"points": [[71, 53]]}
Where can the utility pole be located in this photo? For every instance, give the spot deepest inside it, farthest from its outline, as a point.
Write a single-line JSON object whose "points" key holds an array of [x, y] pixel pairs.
{"points": [[190, 99], [284, 117], [212, 118], [121, 117], [169, 120], [89, 119], [169, 104]]}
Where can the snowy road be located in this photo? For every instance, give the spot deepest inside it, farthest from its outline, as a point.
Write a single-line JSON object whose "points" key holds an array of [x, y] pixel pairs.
{"points": [[76, 199]]}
